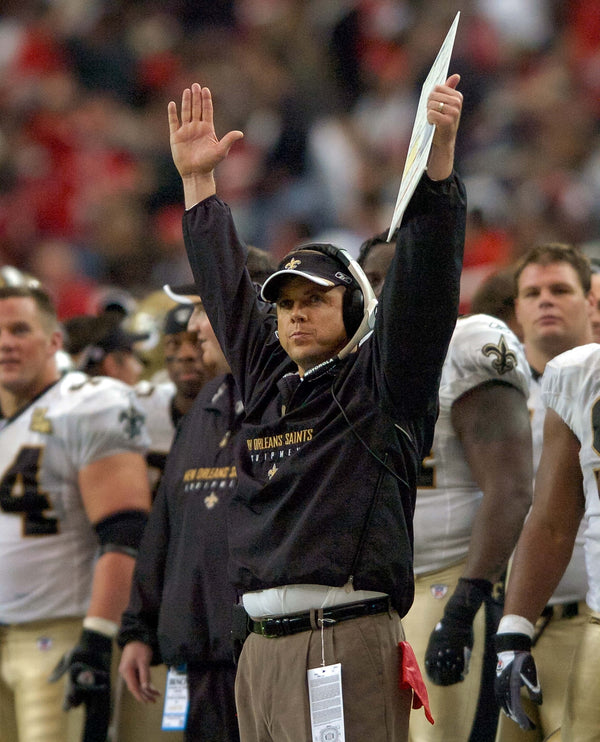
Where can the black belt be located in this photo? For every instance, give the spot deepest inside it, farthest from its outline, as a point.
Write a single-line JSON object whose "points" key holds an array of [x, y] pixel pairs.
{"points": [[295, 622], [561, 610]]}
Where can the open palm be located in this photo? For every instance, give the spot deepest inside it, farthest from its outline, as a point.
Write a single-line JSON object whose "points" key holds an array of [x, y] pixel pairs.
{"points": [[195, 146]]}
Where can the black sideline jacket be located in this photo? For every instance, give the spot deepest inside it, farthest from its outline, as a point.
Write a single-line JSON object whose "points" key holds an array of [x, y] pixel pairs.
{"points": [[181, 600], [327, 464]]}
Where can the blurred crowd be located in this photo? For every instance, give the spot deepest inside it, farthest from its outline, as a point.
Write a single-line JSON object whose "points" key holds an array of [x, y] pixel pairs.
{"points": [[325, 92]]}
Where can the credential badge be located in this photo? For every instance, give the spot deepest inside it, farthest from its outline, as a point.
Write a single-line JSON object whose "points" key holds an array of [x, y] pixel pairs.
{"points": [[506, 359]]}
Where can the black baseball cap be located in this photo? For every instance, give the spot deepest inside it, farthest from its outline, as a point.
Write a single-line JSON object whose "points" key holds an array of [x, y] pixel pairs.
{"points": [[97, 336], [177, 318], [314, 265]]}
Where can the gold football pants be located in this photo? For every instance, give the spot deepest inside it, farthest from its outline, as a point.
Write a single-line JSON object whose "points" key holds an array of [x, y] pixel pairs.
{"points": [[453, 706], [30, 706]]}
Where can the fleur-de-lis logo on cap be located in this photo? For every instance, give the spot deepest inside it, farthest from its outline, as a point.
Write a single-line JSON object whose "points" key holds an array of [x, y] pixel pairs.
{"points": [[293, 263]]}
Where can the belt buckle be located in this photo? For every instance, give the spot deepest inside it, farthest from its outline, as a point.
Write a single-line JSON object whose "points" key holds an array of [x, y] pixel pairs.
{"points": [[263, 629]]}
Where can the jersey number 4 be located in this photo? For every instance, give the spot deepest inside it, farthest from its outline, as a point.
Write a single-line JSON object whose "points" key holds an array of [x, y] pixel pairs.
{"points": [[20, 494]]}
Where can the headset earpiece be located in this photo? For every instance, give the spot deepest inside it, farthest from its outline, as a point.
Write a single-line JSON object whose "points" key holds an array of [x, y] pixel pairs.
{"points": [[353, 310]]}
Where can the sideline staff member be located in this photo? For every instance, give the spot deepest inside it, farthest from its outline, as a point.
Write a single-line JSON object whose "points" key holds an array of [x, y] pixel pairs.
{"points": [[181, 601], [320, 525]]}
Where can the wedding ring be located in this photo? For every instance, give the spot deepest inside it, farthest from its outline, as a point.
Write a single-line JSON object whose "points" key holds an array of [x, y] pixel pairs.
{"points": [[441, 106]]}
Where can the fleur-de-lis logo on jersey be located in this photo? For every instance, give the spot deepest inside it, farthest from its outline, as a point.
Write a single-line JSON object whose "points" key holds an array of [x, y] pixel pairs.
{"points": [[39, 422], [133, 421], [272, 471], [292, 264], [505, 359]]}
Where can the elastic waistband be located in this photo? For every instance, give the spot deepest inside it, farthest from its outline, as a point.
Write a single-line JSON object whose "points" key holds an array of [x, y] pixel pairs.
{"points": [[294, 623]]}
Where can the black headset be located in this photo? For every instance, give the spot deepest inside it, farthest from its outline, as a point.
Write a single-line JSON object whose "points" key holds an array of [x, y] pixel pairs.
{"points": [[359, 303]]}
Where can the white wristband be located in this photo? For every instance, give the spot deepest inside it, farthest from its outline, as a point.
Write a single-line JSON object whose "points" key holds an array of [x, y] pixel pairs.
{"points": [[513, 624], [101, 625]]}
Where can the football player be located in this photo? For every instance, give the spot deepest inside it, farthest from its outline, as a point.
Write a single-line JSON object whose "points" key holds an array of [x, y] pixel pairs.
{"points": [[553, 305], [566, 489], [165, 403], [596, 311], [474, 492], [74, 498], [484, 380], [101, 346]]}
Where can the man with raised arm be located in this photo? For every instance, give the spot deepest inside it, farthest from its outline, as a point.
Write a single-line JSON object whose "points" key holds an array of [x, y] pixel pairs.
{"points": [[340, 409]]}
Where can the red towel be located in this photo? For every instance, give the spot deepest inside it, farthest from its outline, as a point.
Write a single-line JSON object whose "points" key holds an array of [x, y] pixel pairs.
{"points": [[410, 677]]}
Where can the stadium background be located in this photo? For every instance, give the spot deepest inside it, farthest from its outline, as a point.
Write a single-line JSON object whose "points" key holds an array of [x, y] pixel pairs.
{"points": [[325, 91]]}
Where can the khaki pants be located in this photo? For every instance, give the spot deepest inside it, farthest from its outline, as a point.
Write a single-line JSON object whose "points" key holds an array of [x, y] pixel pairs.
{"points": [[30, 706], [581, 720], [453, 707], [141, 722], [272, 690]]}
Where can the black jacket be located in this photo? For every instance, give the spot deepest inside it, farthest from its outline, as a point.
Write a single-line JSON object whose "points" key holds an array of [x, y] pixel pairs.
{"points": [[327, 464], [181, 600]]}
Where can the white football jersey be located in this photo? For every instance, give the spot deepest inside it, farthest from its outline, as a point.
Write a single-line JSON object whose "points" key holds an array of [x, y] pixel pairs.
{"points": [[537, 413], [47, 545], [573, 584], [482, 349], [155, 400], [571, 387]]}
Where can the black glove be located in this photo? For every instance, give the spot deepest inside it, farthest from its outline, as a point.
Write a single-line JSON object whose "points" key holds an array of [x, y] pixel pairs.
{"points": [[450, 644], [88, 682], [515, 668]]}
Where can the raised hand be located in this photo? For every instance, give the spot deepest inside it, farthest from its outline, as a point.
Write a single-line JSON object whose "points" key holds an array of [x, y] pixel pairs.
{"points": [[195, 147], [444, 107]]}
